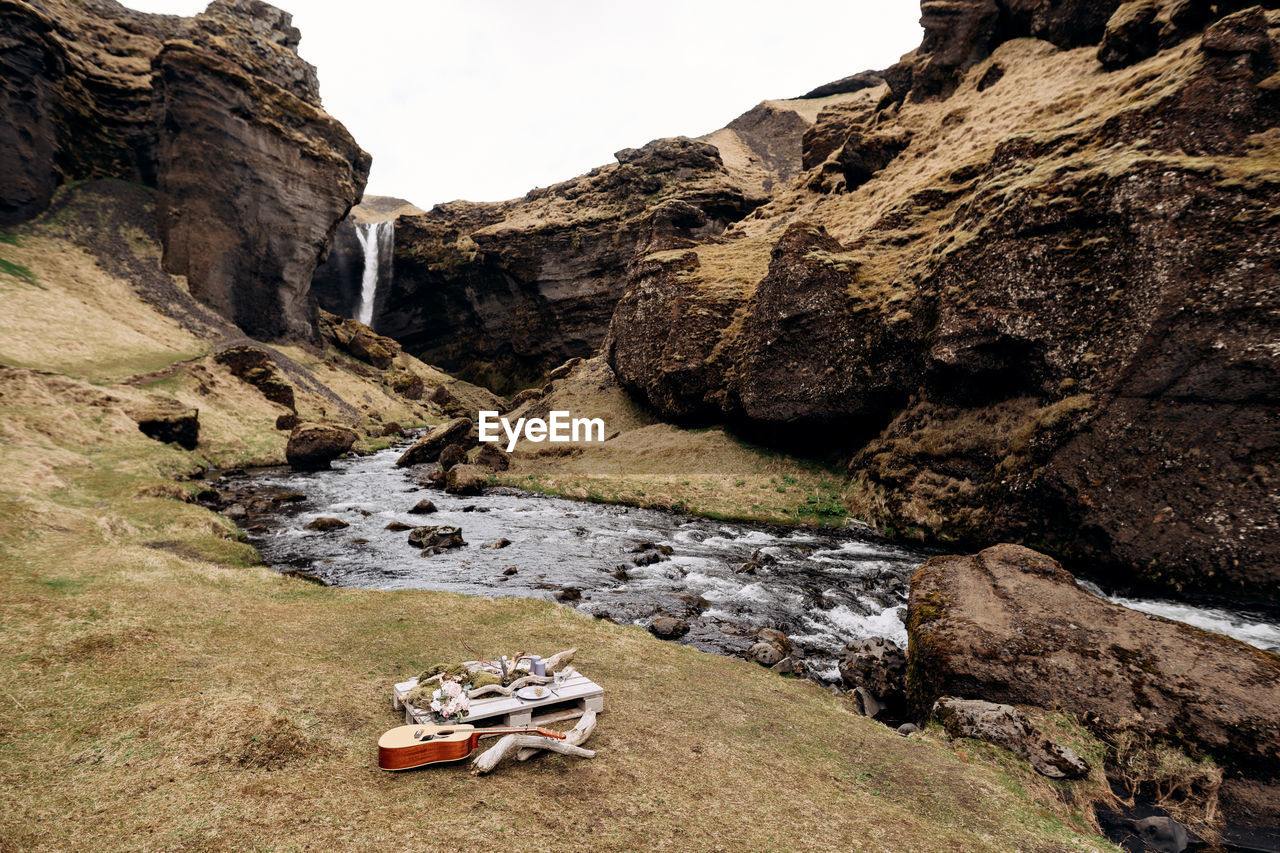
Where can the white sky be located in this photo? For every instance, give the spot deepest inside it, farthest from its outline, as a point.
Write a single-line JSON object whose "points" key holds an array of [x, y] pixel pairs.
{"points": [[486, 99]]}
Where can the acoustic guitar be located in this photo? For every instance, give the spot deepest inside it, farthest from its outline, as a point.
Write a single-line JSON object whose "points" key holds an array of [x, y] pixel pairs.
{"points": [[406, 747]]}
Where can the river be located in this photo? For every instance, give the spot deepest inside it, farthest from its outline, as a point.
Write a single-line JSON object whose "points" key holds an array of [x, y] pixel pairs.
{"points": [[821, 587]]}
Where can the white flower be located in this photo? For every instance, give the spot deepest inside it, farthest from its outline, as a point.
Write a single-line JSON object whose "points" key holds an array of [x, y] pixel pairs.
{"points": [[452, 689], [435, 704]]}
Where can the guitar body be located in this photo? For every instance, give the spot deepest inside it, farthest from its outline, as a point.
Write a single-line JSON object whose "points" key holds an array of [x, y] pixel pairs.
{"points": [[407, 747]]}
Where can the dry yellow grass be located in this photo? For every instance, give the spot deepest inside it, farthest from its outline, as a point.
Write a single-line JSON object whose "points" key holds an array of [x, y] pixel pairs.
{"points": [[162, 690]]}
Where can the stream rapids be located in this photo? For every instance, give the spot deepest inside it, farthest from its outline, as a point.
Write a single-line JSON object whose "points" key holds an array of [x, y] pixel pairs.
{"points": [[822, 587]]}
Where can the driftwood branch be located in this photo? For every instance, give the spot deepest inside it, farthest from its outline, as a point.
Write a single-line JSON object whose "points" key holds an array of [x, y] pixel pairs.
{"points": [[575, 736], [559, 661], [510, 745], [512, 688]]}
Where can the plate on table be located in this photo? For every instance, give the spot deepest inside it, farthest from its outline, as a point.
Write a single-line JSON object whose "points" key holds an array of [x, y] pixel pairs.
{"points": [[533, 692]]}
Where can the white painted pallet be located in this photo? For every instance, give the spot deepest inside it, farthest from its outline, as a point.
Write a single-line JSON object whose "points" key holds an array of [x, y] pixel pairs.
{"points": [[577, 695]]}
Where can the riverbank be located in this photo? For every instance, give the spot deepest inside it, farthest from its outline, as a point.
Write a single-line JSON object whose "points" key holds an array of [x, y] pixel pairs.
{"points": [[169, 691]]}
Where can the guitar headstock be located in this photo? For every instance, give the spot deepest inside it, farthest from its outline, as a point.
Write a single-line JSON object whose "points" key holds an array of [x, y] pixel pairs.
{"points": [[550, 733]]}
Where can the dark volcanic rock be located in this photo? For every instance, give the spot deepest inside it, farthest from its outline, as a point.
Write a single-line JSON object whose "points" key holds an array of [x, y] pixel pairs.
{"points": [[217, 112], [428, 448], [1132, 34], [876, 664], [1010, 625], [312, 447], [423, 507], [354, 337], [452, 455], [257, 367], [436, 537]]}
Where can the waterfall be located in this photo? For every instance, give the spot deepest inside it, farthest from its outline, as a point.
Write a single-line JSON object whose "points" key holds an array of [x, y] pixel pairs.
{"points": [[376, 240]]}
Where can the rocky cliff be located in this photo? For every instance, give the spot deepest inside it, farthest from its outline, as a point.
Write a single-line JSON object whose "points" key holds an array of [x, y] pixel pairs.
{"points": [[1022, 284], [1031, 293], [336, 283], [218, 112], [503, 292]]}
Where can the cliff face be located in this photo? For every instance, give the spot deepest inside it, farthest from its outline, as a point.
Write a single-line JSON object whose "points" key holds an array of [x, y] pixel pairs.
{"points": [[1031, 293], [1022, 283], [217, 112], [500, 293]]}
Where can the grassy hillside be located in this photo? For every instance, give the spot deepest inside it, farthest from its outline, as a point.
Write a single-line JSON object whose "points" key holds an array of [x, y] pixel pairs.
{"points": [[162, 689]]}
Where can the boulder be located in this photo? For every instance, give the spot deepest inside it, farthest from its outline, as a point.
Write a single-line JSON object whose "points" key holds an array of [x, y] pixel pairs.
{"points": [[312, 447], [357, 339], [1243, 32], [568, 595], [1010, 625], [170, 423], [452, 455], [423, 507], [436, 537], [324, 525], [1006, 726], [428, 448], [668, 627], [256, 366], [1132, 35], [492, 456], [287, 421], [465, 480], [396, 526], [765, 654], [878, 665]]}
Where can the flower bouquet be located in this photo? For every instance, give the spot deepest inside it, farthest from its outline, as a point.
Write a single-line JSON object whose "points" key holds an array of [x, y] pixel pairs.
{"points": [[449, 702]]}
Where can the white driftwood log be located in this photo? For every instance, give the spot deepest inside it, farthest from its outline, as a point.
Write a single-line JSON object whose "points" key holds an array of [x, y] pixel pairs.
{"points": [[510, 745], [560, 661], [576, 735], [507, 691]]}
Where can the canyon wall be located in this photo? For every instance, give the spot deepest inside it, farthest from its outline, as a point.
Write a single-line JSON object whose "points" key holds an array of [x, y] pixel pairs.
{"points": [[218, 112], [1022, 284], [502, 292]]}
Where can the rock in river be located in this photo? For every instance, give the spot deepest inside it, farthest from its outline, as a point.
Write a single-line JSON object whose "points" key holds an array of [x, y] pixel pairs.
{"points": [[438, 536], [312, 447], [428, 448]]}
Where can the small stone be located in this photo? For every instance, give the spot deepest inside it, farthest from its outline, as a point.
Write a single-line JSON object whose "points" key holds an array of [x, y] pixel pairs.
{"points": [[326, 524], [668, 627], [1162, 833], [423, 507], [765, 654], [908, 729], [569, 593], [510, 570], [398, 525], [439, 536], [497, 543]]}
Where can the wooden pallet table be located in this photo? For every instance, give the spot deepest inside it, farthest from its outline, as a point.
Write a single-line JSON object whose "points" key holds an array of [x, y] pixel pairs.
{"points": [[573, 698]]}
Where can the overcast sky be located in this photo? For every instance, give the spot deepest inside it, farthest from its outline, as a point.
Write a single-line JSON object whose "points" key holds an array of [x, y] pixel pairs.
{"points": [[486, 99]]}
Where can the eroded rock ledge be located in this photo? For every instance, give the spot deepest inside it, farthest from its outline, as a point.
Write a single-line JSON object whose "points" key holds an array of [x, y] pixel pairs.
{"points": [[218, 112]]}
